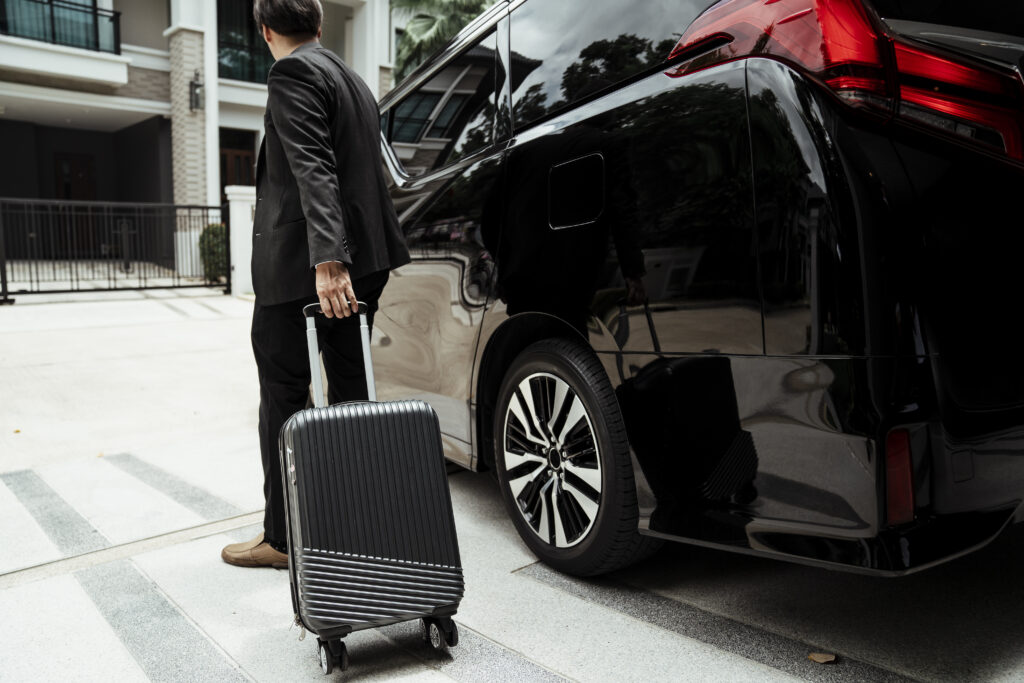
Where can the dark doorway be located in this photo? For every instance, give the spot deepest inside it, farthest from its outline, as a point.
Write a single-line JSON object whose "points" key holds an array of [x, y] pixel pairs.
{"points": [[76, 181], [237, 158], [75, 177]]}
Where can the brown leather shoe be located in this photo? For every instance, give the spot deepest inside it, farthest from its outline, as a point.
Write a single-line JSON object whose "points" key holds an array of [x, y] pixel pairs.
{"points": [[254, 553]]}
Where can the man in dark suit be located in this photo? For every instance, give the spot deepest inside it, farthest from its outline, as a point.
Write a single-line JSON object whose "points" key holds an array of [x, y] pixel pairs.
{"points": [[324, 231]]}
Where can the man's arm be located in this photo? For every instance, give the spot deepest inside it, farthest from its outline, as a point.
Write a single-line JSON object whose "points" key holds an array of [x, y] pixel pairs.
{"points": [[299, 107]]}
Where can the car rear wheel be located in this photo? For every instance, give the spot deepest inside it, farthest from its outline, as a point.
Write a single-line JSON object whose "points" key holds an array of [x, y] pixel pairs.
{"points": [[562, 461]]}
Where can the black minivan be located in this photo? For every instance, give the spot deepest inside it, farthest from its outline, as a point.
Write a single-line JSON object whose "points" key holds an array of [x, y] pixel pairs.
{"points": [[745, 276]]}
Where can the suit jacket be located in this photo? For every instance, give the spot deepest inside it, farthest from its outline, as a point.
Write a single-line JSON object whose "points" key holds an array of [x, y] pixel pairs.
{"points": [[320, 187]]}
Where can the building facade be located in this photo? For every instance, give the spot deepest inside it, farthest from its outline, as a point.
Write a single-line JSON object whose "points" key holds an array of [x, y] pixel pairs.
{"points": [[149, 101]]}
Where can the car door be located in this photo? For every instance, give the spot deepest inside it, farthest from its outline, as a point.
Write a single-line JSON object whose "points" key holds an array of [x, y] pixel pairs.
{"points": [[444, 160], [629, 216]]}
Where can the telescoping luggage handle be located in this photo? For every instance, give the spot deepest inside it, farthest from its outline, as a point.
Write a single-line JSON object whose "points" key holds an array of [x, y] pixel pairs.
{"points": [[310, 311]]}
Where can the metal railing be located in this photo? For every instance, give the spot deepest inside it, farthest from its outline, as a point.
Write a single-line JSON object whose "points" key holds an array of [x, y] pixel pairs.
{"points": [[63, 23], [54, 246]]}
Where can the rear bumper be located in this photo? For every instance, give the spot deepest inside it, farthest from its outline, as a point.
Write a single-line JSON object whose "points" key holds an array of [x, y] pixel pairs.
{"points": [[893, 552], [969, 489], [818, 490]]}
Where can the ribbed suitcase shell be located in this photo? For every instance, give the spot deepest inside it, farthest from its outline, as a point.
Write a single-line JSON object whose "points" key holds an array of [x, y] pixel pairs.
{"points": [[371, 532]]}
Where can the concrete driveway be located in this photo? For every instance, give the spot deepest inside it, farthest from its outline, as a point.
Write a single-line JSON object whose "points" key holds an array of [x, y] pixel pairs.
{"points": [[128, 458]]}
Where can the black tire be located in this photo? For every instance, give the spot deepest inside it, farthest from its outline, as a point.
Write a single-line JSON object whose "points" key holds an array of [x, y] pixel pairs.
{"points": [[451, 633], [578, 512], [341, 660]]}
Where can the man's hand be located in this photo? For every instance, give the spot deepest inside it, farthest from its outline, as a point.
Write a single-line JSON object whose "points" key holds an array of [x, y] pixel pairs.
{"points": [[636, 293], [334, 289]]}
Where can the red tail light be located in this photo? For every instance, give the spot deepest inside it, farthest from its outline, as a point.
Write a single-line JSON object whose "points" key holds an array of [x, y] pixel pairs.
{"points": [[899, 479], [963, 100], [834, 40], [838, 43]]}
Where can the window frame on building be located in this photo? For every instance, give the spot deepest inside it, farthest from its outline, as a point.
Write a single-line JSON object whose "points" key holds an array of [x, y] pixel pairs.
{"points": [[246, 43]]}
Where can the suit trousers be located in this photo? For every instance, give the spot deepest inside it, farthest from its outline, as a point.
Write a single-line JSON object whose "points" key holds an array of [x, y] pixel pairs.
{"points": [[282, 361]]}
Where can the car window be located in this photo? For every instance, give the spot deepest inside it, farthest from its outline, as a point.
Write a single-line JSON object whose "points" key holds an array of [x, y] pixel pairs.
{"points": [[995, 16], [567, 50], [449, 117]]}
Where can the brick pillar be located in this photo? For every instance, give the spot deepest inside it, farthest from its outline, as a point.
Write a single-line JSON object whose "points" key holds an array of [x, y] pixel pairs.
{"points": [[188, 128]]}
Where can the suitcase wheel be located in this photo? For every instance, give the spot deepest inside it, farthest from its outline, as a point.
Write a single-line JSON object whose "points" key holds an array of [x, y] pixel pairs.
{"points": [[440, 633], [332, 653], [326, 660]]}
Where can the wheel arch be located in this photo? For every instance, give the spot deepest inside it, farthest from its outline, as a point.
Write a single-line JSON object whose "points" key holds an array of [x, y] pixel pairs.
{"points": [[505, 343]]}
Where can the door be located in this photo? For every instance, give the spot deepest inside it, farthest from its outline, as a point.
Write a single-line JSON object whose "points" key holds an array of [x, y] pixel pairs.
{"points": [[630, 217], [445, 165], [76, 235], [75, 177], [237, 159]]}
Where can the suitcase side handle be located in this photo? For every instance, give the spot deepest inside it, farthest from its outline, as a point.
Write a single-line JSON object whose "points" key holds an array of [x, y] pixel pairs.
{"points": [[319, 399]]}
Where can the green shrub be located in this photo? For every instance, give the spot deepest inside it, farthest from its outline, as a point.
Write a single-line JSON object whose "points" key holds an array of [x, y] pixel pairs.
{"points": [[213, 252]]}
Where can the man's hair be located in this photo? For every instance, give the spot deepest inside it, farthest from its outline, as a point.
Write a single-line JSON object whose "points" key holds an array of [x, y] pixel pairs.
{"points": [[297, 19]]}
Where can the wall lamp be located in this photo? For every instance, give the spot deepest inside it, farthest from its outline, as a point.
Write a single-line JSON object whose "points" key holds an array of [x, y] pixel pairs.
{"points": [[196, 94]]}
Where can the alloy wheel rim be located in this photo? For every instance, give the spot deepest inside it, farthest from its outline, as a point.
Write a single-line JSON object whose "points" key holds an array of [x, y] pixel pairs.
{"points": [[552, 460], [435, 636]]}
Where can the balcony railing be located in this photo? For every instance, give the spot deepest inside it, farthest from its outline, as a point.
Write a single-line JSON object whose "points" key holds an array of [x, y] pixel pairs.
{"points": [[62, 22]]}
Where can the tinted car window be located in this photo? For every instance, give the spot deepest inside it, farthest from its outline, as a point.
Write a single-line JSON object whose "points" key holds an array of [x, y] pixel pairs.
{"points": [[450, 116], [997, 16], [566, 50]]}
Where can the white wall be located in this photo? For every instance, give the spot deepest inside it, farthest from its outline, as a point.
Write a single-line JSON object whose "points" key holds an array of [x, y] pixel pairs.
{"points": [[367, 37], [242, 201], [336, 19], [143, 22], [211, 81], [190, 12]]}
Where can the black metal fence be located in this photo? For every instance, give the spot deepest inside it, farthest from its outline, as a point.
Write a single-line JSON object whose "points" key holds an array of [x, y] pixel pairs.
{"points": [[62, 246], [62, 22]]}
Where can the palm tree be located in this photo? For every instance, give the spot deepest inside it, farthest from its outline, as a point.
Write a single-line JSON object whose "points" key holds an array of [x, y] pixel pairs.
{"points": [[431, 24]]}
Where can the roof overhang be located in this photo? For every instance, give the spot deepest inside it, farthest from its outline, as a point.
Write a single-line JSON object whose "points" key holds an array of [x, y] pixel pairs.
{"points": [[71, 109]]}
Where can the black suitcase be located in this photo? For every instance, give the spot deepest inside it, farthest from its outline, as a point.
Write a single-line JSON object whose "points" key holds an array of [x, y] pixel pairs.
{"points": [[371, 534]]}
